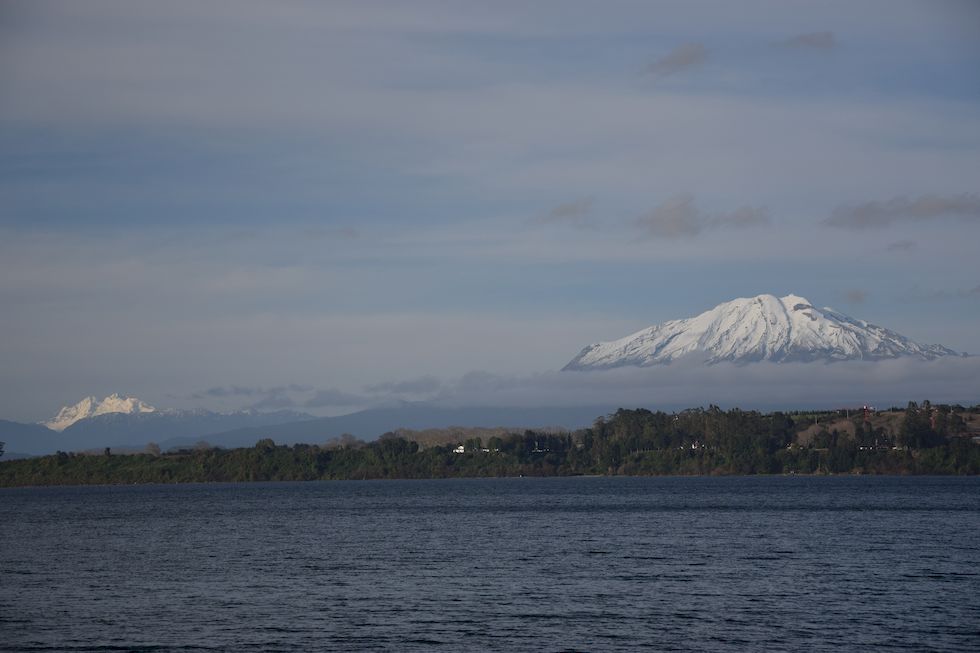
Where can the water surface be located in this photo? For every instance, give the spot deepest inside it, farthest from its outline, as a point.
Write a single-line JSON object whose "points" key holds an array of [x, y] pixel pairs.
{"points": [[686, 564]]}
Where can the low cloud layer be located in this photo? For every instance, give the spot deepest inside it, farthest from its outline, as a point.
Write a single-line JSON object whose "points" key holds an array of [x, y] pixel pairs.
{"points": [[878, 214], [679, 217], [222, 392], [421, 385], [332, 397], [686, 383], [684, 57], [757, 386], [277, 397], [332, 400]]}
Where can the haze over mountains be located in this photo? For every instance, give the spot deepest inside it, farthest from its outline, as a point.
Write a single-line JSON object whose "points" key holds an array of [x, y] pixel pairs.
{"points": [[761, 328], [768, 344], [117, 421], [127, 422]]}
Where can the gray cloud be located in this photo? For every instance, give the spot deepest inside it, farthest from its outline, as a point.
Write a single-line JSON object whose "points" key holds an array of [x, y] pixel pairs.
{"points": [[249, 391], [678, 217], [292, 387], [229, 391], [811, 40], [746, 216], [271, 398], [901, 246], [684, 57], [295, 395], [674, 218], [421, 385], [333, 397], [577, 213], [855, 296], [904, 209], [687, 383], [479, 381], [274, 402]]}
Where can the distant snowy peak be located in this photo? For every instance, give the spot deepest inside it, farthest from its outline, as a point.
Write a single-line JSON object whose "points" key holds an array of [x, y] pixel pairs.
{"points": [[90, 407], [763, 328]]}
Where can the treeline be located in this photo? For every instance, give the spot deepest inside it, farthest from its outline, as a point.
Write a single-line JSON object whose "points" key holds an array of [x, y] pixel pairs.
{"points": [[929, 440]]}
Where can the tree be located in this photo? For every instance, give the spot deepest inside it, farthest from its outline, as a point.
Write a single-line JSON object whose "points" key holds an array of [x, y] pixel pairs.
{"points": [[917, 431], [266, 445], [2, 445]]}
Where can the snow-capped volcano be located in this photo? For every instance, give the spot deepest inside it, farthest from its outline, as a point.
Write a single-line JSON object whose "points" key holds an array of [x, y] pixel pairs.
{"points": [[777, 329], [90, 407]]}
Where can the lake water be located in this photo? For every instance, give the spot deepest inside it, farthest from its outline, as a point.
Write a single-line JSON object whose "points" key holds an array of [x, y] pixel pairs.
{"points": [[602, 564]]}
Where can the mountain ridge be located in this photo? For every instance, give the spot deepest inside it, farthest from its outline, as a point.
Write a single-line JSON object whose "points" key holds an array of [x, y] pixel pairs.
{"points": [[92, 407], [118, 429]]}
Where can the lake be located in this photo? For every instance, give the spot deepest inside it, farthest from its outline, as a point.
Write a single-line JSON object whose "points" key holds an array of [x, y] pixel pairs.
{"points": [[520, 564]]}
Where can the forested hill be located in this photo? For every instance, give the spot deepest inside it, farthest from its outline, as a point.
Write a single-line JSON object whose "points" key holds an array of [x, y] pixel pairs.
{"points": [[922, 439]]}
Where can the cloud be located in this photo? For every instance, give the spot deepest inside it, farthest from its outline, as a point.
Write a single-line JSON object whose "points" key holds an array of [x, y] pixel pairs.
{"points": [[274, 397], [229, 391], [292, 387], [746, 216], [296, 395], [422, 385], [674, 218], [577, 213], [811, 41], [855, 296], [684, 57], [480, 381], [678, 217], [333, 397], [879, 214], [274, 402], [901, 246], [686, 384], [221, 392]]}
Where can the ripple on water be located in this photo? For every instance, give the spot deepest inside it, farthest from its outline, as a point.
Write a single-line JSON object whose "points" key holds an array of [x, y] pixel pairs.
{"points": [[499, 565]]}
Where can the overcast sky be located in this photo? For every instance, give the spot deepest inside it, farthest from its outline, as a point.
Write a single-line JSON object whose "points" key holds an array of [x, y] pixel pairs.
{"points": [[324, 204]]}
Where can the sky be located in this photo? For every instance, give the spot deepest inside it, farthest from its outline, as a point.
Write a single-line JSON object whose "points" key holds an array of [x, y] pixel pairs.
{"points": [[326, 205]]}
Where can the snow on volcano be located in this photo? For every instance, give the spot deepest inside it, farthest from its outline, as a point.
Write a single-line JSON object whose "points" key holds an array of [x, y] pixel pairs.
{"points": [[762, 328]]}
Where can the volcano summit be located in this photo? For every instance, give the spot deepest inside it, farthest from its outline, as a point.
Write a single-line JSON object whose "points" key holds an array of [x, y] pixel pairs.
{"points": [[762, 328]]}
